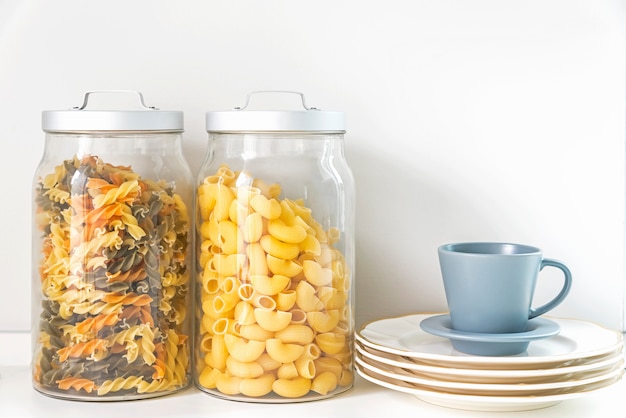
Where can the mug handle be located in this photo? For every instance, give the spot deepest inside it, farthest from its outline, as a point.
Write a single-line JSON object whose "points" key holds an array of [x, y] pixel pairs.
{"points": [[567, 284]]}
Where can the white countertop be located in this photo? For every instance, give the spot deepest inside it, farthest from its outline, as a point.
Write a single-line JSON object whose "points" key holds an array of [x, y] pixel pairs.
{"points": [[19, 399]]}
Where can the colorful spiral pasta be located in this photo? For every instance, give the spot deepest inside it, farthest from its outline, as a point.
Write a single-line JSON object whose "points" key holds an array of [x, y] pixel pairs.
{"points": [[114, 280]]}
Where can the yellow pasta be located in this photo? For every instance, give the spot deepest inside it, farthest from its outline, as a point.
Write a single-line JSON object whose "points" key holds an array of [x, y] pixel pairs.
{"points": [[210, 282], [344, 355], [223, 326], [237, 211], [279, 249], [312, 351], [325, 257], [274, 292], [119, 384], [316, 274], [298, 316], [320, 233], [330, 342], [268, 208], [205, 342], [347, 377], [257, 259], [215, 199], [224, 303], [346, 313], [208, 230], [209, 310], [342, 283], [245, 194], [272, 320], [332, 298], [244, 313], [208, 377], [285, 300], [203, 259], [269, 285], [207, 360], [323, 321], [269, 190], [329, 364], [300, 210], [225, 175], [305, 367], [51, 180], [306, 298], [342, 328], [292, 234], [296, 334], [255, 332], [252, 228], [292, 388], [287, 371], [268, 363], [127, 191], [285, 353], [57, 195], [310, 245], [324, 383], [246, 370], [248, 293], [228, 385], [242, 350], [227, 264], [289, 268], [219, 352], [337, 267], [334, 234], [228, 237], [257, 387]]}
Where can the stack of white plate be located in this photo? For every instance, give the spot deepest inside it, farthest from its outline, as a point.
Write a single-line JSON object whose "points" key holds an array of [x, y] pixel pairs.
{"points": [[397, 354]]}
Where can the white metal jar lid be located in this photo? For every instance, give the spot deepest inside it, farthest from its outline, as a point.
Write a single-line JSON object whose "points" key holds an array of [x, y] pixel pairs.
{"points": [[81, 119], [310, 119]]}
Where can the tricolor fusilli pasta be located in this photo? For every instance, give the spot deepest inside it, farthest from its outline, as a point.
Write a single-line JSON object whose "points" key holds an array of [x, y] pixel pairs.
{"points": [[114, 278]]}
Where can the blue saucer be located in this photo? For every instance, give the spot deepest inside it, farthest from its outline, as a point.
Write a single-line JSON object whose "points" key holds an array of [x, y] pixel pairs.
{"points": [[490, 344]]}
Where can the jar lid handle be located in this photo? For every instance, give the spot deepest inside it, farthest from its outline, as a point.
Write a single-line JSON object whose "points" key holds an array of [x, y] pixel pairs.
{"points": [[275, 91], [88, 93]]}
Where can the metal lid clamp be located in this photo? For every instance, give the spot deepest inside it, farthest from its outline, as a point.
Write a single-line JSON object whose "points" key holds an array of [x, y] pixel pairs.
{"points": [[82, 119]]}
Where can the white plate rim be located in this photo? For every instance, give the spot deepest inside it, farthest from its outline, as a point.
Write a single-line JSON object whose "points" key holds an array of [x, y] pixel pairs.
{"points": [[496, 403], [495, 373], [495, 387], [505, 360]]}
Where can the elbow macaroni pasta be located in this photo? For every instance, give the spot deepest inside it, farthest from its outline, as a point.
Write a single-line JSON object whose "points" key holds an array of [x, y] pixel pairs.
{"points": [[274, 292]]}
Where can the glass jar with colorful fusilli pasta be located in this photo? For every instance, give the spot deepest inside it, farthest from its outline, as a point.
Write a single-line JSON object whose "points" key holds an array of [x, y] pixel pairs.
{"points": [[275, 256], [112, 252]]}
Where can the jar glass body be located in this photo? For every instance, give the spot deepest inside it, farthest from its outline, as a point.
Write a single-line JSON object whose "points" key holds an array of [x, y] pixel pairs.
{"points": [[275, 248], [111, 256]]}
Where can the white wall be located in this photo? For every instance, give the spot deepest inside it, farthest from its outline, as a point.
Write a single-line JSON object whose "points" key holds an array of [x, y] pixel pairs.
{"points": [[467, 120]]}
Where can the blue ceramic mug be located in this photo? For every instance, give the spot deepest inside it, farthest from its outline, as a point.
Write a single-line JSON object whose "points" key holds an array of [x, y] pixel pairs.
{"points": [[490, 285]]}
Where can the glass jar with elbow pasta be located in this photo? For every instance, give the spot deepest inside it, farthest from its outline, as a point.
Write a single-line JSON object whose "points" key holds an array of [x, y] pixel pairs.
{"points": [[112, 245], [275, 256]]}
